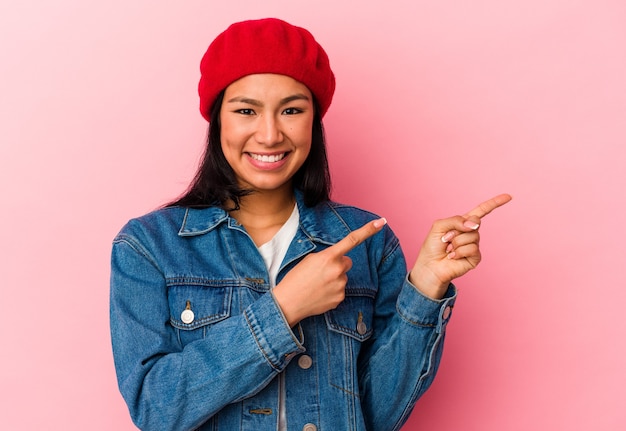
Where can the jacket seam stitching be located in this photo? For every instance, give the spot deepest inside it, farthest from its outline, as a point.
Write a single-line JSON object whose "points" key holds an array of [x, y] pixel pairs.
{"points": [[265, 355], [133, 243]]}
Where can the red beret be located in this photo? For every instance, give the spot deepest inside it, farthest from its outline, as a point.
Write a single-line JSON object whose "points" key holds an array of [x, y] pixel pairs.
{"points": [[265, 46]]}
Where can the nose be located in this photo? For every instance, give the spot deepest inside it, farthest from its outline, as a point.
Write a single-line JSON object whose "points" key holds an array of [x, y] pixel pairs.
{"points": [[268, 130]]}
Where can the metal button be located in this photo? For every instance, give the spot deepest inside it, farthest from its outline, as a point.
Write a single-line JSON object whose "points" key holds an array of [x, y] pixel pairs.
{"points": [[446, 312], [187, 315], [309, 427], [361, 327], [305, 362]]}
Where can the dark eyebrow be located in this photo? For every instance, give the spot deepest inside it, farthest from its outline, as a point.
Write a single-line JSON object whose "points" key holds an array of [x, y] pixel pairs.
{"points": [[255, 102], [245, 100], [298, 96]]}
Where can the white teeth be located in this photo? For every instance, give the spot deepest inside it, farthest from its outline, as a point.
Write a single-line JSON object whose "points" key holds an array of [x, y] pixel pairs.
{"points": [[267, 159]]}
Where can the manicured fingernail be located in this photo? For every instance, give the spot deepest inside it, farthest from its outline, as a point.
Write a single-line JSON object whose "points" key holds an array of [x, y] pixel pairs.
{"points": [[380, 222], [447, 237], [471, 225], [451, 255], [449, 248]]}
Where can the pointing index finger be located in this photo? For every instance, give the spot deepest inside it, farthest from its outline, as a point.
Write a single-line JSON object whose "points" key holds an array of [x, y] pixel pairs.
{"points": [[356, 237], [486, 207]]}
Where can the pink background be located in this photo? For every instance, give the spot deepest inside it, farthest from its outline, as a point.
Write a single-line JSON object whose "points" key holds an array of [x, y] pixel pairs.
{"points": [[439, 105]]}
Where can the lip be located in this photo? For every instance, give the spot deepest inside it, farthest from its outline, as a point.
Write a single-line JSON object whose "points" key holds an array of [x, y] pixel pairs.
{"points": [[270, 164]]}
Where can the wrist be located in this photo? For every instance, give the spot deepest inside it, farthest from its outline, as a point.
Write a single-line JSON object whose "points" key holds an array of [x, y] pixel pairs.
{"points": [[285, 304], [428, 284]]}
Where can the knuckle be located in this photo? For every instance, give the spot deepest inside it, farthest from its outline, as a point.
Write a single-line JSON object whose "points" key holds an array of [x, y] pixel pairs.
{"points": [[339, 272], [353, 239], [448, 220], [347, 262]]}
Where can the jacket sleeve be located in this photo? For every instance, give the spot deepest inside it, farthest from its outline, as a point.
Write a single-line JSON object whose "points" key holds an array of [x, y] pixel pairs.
{"points": [[170, 388], [409, 331]]}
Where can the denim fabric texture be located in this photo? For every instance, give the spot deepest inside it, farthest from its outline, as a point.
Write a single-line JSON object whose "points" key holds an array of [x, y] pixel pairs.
{"points": [[367, 361]]}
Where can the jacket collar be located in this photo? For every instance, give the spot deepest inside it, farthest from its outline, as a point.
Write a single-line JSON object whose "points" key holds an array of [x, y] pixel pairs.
{"points": [[320, 223]]}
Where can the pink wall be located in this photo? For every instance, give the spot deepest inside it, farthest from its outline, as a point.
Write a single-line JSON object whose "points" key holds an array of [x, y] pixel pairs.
{"points": [[439, 105]]}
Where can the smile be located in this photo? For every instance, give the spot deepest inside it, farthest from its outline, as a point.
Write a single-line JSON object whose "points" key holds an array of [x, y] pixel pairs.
{"points": [[268, 159]]}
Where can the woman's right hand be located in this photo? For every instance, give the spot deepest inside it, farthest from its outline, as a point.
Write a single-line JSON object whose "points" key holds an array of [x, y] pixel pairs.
{"points": [[317, 284]]}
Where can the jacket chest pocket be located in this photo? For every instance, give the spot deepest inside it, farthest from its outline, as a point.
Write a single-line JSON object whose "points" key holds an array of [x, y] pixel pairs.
{"points": [[196, 307], [348, 325]]}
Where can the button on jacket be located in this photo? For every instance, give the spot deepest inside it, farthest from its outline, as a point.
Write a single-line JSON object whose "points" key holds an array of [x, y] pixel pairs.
{"points": [[199, 341]]}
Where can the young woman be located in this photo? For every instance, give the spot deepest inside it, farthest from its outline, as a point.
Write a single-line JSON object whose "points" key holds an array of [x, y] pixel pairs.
{"points": [[256, 303]]}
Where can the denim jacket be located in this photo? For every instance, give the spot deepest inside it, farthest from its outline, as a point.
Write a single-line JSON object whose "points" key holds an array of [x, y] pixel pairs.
{"points": [[199, 341]]}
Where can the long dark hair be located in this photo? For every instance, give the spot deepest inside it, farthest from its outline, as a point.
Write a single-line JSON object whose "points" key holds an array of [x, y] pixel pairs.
{"points": [[215, 183]]}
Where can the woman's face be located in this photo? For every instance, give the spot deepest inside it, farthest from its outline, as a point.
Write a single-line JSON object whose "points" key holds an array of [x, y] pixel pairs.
{"points": [[266, 127]]}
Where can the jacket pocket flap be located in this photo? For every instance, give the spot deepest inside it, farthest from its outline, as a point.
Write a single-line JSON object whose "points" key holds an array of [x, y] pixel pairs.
{"points": [[353, 317], [195, 305]]}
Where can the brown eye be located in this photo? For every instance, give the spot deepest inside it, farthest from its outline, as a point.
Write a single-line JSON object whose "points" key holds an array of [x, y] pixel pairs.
{"points": [[291, 111], [245, 111]]}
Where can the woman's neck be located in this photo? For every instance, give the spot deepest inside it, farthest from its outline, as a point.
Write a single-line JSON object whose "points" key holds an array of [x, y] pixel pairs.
{"points": [[263, 214]]}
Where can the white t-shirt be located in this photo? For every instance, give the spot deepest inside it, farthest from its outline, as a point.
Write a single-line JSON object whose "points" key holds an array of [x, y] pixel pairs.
{"points": [[274, 251]]}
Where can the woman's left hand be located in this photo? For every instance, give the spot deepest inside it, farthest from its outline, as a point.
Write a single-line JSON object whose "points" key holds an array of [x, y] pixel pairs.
{"points": [[451, 249]]}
